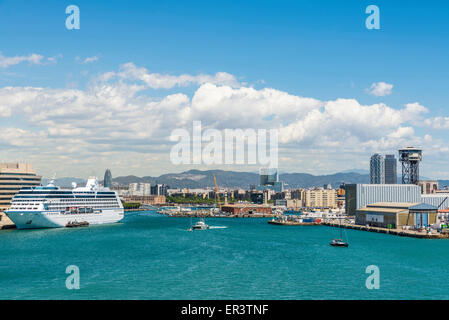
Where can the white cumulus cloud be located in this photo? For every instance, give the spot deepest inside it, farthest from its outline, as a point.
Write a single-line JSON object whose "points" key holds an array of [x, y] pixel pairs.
{"points": [[6, 62], [129, 71], [380, 89], [87, 59]]}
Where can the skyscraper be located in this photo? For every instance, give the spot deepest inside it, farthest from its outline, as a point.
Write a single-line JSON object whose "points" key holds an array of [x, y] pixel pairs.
{"points": [[391, 167], [269, 179], [268, 176], [159, 190], [377, 169], [107, 179]]}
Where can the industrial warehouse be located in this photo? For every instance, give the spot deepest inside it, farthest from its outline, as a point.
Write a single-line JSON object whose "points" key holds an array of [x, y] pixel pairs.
{"points": [[412, 205], [397, 215]]}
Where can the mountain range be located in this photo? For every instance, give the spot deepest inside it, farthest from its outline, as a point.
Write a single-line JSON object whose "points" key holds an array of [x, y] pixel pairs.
{"points": [[232, 179]]}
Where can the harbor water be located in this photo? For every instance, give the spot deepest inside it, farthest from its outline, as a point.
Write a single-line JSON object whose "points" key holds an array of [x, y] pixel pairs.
{"points": [[151, 256]]}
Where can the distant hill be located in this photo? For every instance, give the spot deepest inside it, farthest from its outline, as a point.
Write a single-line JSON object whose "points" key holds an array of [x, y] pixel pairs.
{"points": [[360, 171], [197, 179], [232, 179], [304, 180]]}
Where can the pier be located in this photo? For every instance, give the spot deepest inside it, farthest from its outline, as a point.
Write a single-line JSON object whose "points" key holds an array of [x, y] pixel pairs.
{"points": [[395, 232]]}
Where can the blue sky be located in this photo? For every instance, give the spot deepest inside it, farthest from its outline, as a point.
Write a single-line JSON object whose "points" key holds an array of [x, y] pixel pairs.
{"points": [[316, 49]]}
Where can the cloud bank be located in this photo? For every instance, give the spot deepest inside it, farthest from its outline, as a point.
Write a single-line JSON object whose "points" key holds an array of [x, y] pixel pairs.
{"points": [[114, 121]]}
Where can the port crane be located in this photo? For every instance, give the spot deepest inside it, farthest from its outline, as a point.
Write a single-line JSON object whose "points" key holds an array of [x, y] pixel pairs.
{"points": [[442, 202], [217, 195]]}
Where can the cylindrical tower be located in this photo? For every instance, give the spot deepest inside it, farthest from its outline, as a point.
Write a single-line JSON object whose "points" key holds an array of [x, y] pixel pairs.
{"points": [[410, 158]]}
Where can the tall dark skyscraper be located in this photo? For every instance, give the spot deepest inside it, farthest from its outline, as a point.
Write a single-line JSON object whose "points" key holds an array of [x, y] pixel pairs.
{"points": [[107, 179], [391, 169]]}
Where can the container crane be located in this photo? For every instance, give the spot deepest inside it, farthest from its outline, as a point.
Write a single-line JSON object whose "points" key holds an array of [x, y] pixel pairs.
{"points": [[217, 196]]}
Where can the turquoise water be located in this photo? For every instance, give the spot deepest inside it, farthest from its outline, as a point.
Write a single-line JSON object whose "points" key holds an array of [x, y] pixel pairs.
{"points": [[150, 256]]}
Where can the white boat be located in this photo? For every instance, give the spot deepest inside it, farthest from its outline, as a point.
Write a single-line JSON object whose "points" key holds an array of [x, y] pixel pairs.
{"points": [[52, 207], [339, 242], [200, 225]]}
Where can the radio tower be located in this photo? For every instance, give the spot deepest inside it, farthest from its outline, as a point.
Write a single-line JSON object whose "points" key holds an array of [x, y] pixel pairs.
{"points": [[410, 158]]}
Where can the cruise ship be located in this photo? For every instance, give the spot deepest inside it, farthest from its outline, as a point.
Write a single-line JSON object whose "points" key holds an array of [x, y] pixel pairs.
{"points": [[52, 207]]}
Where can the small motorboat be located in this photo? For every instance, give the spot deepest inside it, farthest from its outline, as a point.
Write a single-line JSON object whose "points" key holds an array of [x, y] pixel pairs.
{"points": [[200, 225], [338, 243]]}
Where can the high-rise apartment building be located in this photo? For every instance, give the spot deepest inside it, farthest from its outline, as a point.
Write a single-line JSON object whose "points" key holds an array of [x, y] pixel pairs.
{"points": [[139, 189], [159, 190], [320, 198], [13, 177], [377, 169]]}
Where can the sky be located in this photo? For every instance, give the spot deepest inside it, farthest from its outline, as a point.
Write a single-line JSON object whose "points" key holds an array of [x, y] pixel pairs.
{"points": [[110, 94]]}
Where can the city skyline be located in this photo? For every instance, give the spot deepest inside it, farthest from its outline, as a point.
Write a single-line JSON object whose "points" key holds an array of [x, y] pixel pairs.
{"points": [[75, 102]]}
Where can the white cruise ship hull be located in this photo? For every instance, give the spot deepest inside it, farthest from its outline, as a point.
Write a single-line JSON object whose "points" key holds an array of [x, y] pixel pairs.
{"points": [[48, 219]]}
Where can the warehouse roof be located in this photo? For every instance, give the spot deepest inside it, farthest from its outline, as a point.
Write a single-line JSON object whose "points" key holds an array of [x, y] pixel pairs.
{"points": [[381, 210], [402, 205], [423, 206], [395, 207]]}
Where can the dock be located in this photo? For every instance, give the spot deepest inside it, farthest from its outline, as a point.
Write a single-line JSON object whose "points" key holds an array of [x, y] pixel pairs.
{"points": [[395, 232], [293, 223], [6, 223]]}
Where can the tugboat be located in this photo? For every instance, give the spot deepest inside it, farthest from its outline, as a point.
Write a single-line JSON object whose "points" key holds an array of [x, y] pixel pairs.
{"points": [[339, 242], [200, 225]]}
